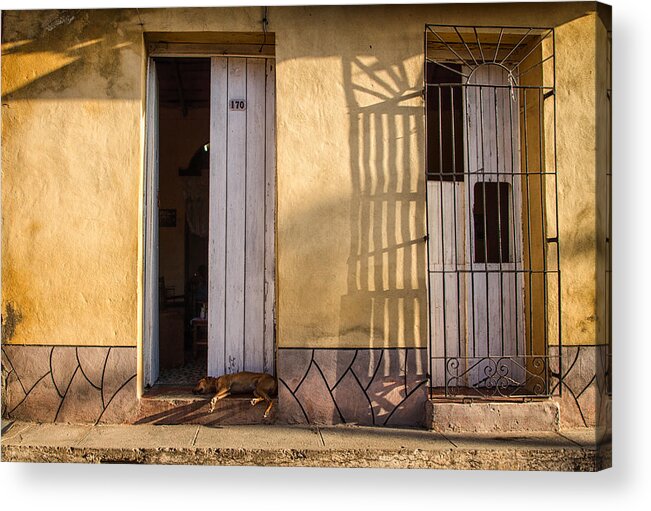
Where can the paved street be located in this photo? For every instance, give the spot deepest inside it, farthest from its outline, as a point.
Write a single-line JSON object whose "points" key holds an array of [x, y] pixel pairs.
{"points": [[305, 446]]}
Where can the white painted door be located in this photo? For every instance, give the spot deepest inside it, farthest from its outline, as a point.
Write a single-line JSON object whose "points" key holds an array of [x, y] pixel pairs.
{"points": [[446, 208], [241, 245], [150, 325], [494, 289], [476, 294]]}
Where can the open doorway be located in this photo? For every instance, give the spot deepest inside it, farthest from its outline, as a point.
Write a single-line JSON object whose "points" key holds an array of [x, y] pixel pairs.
{"points": [[209, 218], [183, 213]]}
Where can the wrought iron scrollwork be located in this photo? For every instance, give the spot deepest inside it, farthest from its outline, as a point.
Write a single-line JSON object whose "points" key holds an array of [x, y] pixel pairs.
{"points": [[522, 376]]}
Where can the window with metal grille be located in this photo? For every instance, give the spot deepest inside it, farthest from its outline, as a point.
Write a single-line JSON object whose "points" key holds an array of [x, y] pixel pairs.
{"points": [[445, 124]]}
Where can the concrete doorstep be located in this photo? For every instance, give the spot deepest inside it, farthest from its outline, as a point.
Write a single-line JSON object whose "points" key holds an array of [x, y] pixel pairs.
{"points": [[302, 446]]}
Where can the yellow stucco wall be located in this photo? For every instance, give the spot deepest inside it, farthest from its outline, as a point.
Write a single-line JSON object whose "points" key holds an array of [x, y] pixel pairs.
{"points": [[350, 184], [71, 116], [580, 204], [603, 179]]}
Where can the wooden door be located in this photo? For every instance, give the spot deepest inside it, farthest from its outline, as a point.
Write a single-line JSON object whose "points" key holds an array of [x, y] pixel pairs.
{"points": [[150, 325], [494, 289], [446, 211], [241, 244], [475, 243]]}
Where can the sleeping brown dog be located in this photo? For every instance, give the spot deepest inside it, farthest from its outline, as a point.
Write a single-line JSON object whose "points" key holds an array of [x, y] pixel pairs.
{"points": [[262, 386]]}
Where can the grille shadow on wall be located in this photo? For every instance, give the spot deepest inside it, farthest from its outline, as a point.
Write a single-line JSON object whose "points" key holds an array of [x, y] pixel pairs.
{"points": [[387, 259], [385, 305], [493, 255]]}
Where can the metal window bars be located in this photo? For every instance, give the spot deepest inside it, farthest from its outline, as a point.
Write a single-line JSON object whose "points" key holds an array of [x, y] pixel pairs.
{"points": [[493, 316]]}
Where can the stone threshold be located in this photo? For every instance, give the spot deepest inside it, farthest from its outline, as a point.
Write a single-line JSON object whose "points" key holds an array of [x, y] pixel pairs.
{"points": [[176, 405], [500, 416]]}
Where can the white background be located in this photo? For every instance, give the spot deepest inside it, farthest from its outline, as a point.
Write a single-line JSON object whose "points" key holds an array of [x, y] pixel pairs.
{"points": [[95, 487]]}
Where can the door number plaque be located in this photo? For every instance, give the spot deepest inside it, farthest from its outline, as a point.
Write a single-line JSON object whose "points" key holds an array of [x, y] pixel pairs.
{"points": [[237, 104]]}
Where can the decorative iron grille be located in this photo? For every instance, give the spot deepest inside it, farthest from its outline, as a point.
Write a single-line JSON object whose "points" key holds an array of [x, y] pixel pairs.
{"points": [[492, 215]]}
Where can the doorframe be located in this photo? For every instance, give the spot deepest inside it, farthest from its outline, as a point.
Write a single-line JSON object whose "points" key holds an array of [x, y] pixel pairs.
{"points": [[150, 315], [149, 363]]}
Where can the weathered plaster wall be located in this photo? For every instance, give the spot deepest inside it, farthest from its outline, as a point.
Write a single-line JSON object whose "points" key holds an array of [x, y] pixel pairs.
{"points": [[77, 384], [350, 181], [70, 177], [379, 387], [603, 176], [361, 169], [576, 152]]}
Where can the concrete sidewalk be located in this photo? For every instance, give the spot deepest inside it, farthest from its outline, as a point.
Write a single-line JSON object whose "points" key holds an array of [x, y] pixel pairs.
{"points": [[304, 446]]}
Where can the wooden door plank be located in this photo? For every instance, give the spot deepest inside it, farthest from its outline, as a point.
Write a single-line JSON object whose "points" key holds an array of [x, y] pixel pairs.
{"points": [[436, 282], [434, 214], [471, 139], [150, 331], [270, 216], [488, 132], [512, 111], [492, 141], [217, 217], [255, 216], [235, 218]]}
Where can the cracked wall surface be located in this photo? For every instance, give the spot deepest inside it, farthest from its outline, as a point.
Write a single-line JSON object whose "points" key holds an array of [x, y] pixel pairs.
{"points": [[381, 387], [74, 384], [581, 387]]}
